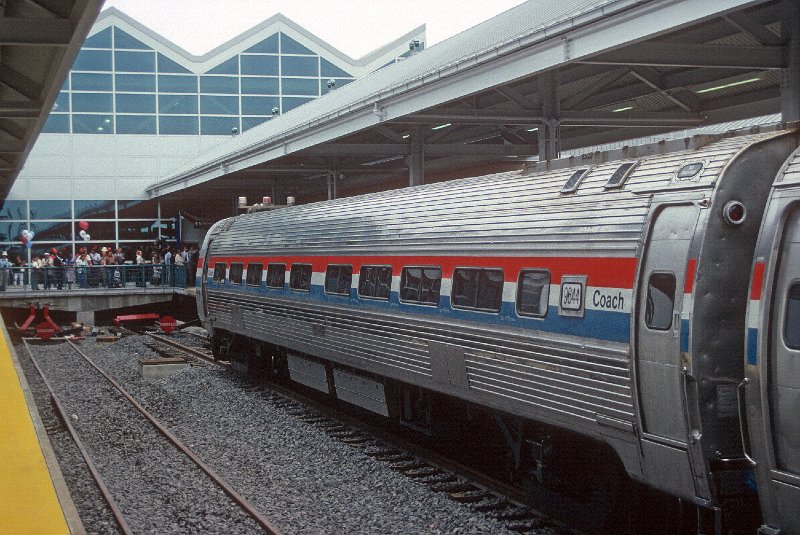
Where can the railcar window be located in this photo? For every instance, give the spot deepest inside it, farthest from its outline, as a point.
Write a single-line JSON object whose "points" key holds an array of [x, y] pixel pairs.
{"points": [[300, 277], [575, 180], [480, 289], [220, 269], [338, 280], [619, 177], [533, 293], [660, 301], [276, 275], [235, 274], [254, 272], [421, 285], [375, 282], [791, 327]]}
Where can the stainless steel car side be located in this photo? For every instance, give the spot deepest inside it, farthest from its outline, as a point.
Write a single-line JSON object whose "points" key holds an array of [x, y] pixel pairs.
{"points": [[621, 296], [772, 386]]}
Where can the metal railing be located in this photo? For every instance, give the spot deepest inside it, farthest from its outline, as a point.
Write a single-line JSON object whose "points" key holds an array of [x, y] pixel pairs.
{"points": [[95, 276]]}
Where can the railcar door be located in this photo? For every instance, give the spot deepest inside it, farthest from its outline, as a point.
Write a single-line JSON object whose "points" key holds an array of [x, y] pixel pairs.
{"points": [[204, 278], [783, 380], [658, 338]]}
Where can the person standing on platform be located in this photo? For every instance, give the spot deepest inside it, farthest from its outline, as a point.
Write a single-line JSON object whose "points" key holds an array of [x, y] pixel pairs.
{"points": [[46, 264], [140, 267], [58, 268], [35, 273], [82, 267], [180, 272], [168, 266], [5, 267], [19, 271]]}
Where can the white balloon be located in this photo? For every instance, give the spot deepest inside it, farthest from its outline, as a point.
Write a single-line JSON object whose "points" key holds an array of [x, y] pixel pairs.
{"points": [[30, 234], [86, 237], [25, 233], [82, 234]]}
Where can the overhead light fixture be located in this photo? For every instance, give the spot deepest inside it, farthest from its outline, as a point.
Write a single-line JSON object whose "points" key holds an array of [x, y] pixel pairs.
{"points": [[383, 160], [445, 125], [406, 136], [725, 86], [533, 129], [624, 108]]}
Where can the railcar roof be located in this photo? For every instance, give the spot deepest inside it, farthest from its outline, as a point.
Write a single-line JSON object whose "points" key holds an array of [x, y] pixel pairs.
{"points": [[509, 213]]}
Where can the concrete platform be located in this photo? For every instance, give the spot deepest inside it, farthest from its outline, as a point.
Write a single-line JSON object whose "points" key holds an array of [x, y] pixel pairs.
{"points": [[34, 498]]}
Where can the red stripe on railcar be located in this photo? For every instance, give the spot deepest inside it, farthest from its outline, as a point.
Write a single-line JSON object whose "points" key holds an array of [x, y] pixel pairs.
{"points": [[691, 267], [758, 281], [603, 272]]}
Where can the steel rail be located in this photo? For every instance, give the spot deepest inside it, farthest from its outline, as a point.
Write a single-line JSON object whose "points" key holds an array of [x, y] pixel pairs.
{"points": [[230, 491], [118, 516]]}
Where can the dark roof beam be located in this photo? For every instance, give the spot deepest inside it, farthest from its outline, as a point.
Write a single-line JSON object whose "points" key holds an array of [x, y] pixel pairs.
{"points": [[755, 30], [685, 55], [628, 119], [524, 101], [26, 31], [389, 134], [653, 78], [12, 129], [20, 83], [594, 88], [12, 108]]}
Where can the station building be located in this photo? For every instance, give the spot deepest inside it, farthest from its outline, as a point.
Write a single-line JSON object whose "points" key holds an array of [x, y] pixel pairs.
{"points": [[135, 107]]}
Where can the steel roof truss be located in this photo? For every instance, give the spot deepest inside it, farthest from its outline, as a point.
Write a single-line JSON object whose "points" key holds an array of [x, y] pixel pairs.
{"points": [[26, 31], [683, 55]]}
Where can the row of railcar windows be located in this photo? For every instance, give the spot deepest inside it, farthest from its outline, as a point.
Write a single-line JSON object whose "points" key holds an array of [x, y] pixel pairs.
{"points": [[472, 288]]}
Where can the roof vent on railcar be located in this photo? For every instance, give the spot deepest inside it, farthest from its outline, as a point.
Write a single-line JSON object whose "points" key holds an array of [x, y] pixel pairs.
{"points": [[575, 180], [689, 171], [619, 176]]}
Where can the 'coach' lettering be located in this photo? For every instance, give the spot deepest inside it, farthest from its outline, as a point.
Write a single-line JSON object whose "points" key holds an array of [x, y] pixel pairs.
{"points": [[611, 302]]}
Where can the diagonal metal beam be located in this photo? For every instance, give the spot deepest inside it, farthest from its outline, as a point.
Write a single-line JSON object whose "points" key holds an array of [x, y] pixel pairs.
{"points": [[524, 101], [20, 83], [12, 129], [683, 55], [10, 108], [653, 78], [389, 134], [595, 87], [753, 29], [25, 31]]}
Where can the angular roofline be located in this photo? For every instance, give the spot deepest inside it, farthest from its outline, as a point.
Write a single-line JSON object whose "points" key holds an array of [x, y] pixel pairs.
{"points": [[518, 42], [237, 44]]}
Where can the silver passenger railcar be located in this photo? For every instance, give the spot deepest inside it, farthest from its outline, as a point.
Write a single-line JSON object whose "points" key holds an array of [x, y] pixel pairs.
{"points": [[602, 299], [772, 384]]}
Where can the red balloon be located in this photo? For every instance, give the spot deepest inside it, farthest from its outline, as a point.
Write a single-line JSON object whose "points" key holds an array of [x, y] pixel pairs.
{"points": [[84, 225], [23, 239]]}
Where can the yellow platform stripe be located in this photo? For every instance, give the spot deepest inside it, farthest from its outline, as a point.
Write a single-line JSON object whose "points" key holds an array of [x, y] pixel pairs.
{"points": [[28, 500]]}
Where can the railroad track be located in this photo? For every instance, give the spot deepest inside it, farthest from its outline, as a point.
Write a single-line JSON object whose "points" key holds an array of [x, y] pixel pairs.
{"points": [[482, 493], [144, 434]]}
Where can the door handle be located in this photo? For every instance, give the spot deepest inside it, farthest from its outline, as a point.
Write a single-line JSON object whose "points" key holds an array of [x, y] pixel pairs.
{"points": [[676, 324], [742, 415]]}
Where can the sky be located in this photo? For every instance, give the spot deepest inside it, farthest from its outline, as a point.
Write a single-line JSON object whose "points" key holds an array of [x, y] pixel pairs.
{"points": [[355, 27]]}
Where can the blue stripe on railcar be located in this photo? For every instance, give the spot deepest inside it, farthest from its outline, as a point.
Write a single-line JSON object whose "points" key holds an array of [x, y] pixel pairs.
{"points": [[684, 336], [598, 324], [752, 346]]}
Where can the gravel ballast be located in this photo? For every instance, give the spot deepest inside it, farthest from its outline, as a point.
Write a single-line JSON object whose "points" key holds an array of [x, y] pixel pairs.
{"points": [[300, 478]]}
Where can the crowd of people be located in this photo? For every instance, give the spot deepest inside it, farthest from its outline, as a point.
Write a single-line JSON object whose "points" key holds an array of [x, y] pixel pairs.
{"points": [[100, 267]]}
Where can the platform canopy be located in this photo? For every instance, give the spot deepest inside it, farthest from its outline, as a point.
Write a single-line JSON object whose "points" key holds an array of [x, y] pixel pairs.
{"points": [[39, 40], [539, 79]]}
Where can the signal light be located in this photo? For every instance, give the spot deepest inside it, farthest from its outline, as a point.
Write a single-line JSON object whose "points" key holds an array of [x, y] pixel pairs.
{"points": [[734, 213]]}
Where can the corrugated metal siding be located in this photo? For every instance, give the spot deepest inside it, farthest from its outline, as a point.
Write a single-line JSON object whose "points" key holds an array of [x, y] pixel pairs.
{"points": [[792, 171], [530, 372], [504, 214]]}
